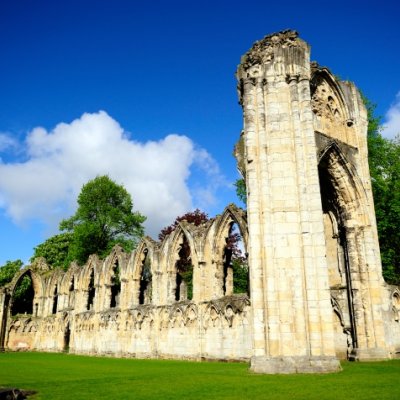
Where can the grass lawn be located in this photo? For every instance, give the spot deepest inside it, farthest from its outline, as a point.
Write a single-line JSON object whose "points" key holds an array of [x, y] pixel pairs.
{"points": [[63, 376]]}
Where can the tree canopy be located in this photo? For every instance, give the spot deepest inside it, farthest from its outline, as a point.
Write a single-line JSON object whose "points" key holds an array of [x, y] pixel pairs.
{"points": [[54, 250], [195, 217], [8, 271], [104, 218], [384, 164], [240, 186]]}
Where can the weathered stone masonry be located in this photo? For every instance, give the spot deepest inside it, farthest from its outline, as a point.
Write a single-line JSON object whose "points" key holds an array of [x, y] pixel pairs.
{"points": [[316, 288], [80, 311]]}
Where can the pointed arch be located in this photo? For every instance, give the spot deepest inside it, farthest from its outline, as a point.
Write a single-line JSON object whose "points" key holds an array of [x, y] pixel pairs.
{"points": [[93, 263], [37, 281], [332, 113], [340, 179], [117, 255], [232, 214], [145, 248], [327, 95], [89, 282], [178, 250], [229, 259], [36, 291]]}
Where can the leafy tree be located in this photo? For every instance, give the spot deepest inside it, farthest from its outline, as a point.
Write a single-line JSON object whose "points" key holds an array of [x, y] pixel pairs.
{"points": [[104, 218], [240, 185], [54, 250], [195, 217], [240, 270], [8, 271], [384, 163]]}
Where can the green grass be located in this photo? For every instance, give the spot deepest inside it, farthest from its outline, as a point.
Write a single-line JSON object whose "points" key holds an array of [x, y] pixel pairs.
{"points": [[62, 376]]}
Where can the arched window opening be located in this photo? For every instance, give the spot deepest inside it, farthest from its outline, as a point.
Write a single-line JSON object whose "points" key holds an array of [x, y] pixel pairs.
{"points": [[22, 298], [55, 300], [71, 293], [145, 289], [235, 265], [184, 273], [115, 285], [336, 245], [91, 291]]}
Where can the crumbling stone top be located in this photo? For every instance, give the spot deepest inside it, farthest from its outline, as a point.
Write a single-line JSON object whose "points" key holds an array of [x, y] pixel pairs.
{"points": [[262, 50]]}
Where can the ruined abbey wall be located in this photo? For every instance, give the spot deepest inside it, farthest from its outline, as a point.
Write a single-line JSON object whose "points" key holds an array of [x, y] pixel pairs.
{"points": [[316, 288], [79, 310]]}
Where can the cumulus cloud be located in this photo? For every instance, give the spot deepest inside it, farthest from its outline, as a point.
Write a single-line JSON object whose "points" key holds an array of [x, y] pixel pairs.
{"points": [[392, 120], [59, 162]]}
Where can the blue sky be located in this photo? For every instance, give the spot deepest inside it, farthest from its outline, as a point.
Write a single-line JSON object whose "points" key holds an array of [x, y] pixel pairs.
{"points": [[145, 92]]}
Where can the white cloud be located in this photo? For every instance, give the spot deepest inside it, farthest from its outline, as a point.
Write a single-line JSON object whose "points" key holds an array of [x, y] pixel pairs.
{"points": [[391, 126], [59, 162]]}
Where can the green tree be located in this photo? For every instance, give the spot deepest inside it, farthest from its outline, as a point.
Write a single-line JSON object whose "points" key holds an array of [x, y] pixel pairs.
{"points": [[54, 250], [103, 219], [384, 164], [240, 185], [8, 271]]}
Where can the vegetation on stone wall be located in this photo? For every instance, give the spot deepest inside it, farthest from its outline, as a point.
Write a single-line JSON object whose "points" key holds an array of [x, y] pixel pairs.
{"points": [[240, 186]]}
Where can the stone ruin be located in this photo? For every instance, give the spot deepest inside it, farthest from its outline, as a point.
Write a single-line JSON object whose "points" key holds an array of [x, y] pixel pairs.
{"points": [[316, 289]]}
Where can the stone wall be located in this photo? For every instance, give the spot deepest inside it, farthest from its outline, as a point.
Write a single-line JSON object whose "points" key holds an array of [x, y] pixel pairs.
{"points": [[79, 311]]}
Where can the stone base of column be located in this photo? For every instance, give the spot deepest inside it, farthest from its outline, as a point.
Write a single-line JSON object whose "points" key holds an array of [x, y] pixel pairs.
{"points": [[373, 354], [294, 365]]}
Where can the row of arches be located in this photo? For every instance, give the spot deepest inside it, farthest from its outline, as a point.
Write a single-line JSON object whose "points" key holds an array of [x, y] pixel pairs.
{"points": [[193, 263]]}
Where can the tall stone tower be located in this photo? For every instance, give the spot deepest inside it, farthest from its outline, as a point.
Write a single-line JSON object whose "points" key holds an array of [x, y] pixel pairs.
{"points": [[312, 229]]}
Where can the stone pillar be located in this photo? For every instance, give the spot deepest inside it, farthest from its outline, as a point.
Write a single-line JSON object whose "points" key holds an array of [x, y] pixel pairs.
{"points": [[292, 315]]}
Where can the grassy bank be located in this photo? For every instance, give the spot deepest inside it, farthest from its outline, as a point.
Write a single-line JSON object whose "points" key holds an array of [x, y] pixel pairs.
{"points": [[62, 376]]}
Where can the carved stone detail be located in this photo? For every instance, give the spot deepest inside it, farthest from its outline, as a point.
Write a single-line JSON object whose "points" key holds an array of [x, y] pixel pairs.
{"points": [[262, 51]]}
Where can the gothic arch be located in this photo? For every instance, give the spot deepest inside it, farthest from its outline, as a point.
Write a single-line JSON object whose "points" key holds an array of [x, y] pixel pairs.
{"points": [[37, 282], [327, 97], [174, 250], [171, 246], [146, 245], [143, 254], [93, 263], [221, 273], [73, 272], [117, 255], [343, 193], [232, 214], [345, 185]]}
